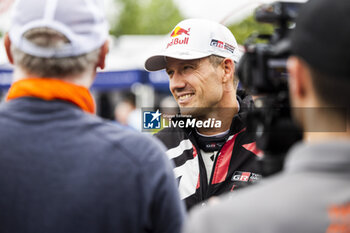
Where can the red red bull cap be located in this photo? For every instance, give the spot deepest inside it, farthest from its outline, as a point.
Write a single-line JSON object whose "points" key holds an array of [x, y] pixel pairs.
{"points": [[193, 39]]}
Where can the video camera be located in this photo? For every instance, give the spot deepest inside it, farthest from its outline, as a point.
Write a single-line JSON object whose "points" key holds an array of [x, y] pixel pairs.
{"points": [[262, 72]]}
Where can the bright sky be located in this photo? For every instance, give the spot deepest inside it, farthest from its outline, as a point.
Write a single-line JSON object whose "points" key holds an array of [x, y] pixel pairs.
{"points": [[225, 11]]}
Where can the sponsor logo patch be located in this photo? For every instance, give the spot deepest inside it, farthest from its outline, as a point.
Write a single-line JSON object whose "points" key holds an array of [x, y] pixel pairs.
{"points": [[245, 177], [222, 45], [178, 31], [177, 41]]}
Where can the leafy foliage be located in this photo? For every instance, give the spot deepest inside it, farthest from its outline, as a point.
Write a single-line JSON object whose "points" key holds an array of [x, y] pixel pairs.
{"points": [[247, 27], [154, 17], [146, 17]]}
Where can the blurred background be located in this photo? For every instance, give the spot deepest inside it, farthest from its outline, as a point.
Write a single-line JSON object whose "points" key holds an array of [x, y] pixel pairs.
{"points": [[137, 29]]}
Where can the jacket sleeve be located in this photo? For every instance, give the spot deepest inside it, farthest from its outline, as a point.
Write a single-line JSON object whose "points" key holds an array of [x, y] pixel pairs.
{"points": [[166, 209]]}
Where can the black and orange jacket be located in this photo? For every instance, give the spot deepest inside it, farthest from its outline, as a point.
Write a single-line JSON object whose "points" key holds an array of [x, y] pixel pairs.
{"points": [[236, 164]]}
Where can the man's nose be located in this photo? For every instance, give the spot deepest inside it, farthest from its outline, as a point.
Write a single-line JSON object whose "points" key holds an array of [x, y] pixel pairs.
{"points": [[177, 81]]}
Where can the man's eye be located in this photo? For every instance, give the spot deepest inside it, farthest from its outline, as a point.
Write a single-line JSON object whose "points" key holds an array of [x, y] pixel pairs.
{"points": [[187, 67], [170, 72]]}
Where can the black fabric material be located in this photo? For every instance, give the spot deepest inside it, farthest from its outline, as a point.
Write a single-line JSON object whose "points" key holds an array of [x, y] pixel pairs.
{"points": [[241, 159], [322, 36], [210, 144]]}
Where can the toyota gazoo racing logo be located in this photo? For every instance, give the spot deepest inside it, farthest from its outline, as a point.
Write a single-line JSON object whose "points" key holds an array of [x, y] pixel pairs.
{"points": [[245, 177], [178, 31], [222, 45]]}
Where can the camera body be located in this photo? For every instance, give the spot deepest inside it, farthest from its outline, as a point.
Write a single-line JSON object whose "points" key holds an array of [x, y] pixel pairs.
{"points": [[262, 69], [262, 72]]}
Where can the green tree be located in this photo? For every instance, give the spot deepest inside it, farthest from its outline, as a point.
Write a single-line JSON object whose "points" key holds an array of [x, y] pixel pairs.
{"points": [[146, 17], [247, 27]]}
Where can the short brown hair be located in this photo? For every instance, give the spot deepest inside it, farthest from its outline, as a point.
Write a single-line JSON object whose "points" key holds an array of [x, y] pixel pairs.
{"points": [[216, 61], [333, 91]]}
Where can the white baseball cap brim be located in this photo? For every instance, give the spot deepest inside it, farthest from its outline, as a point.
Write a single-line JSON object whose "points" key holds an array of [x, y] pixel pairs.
{"points": [[158, 62]]}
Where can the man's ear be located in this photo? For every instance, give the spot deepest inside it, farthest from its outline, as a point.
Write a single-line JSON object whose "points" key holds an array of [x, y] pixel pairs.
{"points": [[297, 79], [102, 58], [7, 43], [229, 69]]}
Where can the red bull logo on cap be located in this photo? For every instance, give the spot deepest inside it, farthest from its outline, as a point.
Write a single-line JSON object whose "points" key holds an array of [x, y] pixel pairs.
{"points": [[177, 41], [178, 31]]}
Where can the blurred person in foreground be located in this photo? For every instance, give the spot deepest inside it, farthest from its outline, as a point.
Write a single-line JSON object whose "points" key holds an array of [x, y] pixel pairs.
{"points": [[63, 169], [199, 56], [312, 193]]}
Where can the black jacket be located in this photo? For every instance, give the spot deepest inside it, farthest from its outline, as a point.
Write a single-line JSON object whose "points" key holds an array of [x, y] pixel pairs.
{"points": [[235, 166]]}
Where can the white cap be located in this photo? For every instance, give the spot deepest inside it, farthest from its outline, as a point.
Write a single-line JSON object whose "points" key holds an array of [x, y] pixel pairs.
{"points": [[193, 39], [82, 21]]}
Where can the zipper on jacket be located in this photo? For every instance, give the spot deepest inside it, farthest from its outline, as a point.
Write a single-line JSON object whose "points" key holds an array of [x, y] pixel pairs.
{"points": [[212, 171], [202, 170], [207, 194]]}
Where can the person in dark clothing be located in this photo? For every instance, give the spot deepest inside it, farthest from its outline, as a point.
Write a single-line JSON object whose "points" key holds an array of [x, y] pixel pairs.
{"points": [[62, 168], [312, 193], [199, 58]]}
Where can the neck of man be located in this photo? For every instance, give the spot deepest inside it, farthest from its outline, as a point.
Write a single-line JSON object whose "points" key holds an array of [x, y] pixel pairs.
{"points": [[319, 137], [327, 127], [224, 113], [84, 79]]}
